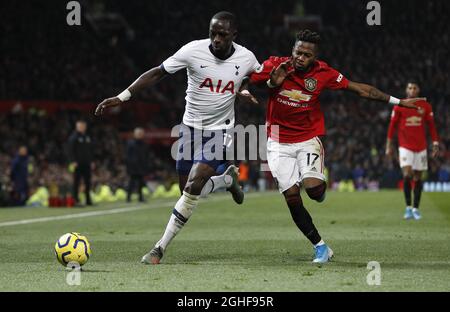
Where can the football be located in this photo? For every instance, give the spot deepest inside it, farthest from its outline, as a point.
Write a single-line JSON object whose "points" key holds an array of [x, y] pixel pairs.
{"points": [[72, 247]]}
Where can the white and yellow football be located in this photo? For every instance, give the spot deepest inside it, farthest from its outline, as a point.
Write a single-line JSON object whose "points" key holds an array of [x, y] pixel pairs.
{"points": [[72, 247]]}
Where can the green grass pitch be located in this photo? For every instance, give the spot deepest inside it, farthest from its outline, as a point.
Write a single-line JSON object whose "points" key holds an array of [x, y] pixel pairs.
{"points": [[227, 247]]}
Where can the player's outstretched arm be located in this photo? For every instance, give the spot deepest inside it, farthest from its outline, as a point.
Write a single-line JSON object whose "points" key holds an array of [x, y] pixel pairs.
{"points": [[244, 94], [146, 80], [370, 92]]}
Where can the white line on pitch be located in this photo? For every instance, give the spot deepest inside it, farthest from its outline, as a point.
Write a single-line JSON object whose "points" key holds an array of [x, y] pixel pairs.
{"points": [[77, 215], [106, 212]]}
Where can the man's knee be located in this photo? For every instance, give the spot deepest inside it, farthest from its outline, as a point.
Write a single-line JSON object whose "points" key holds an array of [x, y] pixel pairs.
{"points": [[194, 185], [407, 173], [292, 195], [317, 193]]}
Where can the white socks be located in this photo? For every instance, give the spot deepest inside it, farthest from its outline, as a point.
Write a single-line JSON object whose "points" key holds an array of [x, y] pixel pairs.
{"points": [[320, 243], [216, 183], [183, 210], [185, 207]]}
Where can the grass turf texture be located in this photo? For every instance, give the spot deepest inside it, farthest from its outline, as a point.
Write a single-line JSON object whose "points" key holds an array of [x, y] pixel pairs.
{"points": [[226, 247]]}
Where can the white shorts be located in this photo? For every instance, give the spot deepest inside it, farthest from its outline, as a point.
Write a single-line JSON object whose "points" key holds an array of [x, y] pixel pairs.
{"points": [[417, 160], [290, 163]]}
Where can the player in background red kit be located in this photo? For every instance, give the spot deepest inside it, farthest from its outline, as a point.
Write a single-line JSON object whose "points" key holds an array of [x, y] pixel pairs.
{"points": [[412, 143], [295, 122]]}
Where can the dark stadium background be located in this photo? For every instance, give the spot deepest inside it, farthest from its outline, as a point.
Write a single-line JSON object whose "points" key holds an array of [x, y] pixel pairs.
{"points": [[53, 74]]}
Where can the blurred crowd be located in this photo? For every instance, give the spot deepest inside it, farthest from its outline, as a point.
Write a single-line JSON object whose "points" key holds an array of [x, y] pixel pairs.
{"points": [[44, 58], [46, 137]]}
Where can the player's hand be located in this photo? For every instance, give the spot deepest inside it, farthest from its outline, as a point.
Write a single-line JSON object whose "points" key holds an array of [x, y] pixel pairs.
{"points": [[111, 102], [389, 150], [279, 74], [435, 150], [246, 97], [410, 103]]}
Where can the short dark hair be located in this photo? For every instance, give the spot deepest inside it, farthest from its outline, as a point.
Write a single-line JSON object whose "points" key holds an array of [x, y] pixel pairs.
{"points": [[307, 35], [227, 16], [414, 81]]}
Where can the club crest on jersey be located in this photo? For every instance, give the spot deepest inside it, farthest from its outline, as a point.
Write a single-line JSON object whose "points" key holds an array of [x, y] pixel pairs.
{"points": [[310, 84], [237, 70]]}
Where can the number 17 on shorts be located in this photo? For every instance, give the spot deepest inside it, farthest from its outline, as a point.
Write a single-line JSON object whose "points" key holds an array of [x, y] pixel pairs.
{"points": [[311, 159], [290, 163]]}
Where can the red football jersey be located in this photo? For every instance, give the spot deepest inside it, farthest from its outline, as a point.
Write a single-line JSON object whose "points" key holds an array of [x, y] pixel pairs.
{"points": [[294, 106], [411, 126]]}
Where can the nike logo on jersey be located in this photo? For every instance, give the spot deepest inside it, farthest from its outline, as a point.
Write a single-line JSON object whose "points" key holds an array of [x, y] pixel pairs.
{"points": [[203, 66]]}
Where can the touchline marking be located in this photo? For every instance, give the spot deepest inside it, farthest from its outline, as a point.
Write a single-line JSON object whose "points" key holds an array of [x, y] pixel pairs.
{"points": [[107, 212], [73, 216]]}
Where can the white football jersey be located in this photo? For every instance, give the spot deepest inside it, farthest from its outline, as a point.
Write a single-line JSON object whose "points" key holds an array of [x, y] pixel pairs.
{"points": [[212, 83]]}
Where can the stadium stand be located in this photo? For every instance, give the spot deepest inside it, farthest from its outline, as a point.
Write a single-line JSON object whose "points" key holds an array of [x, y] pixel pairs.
{"points": [[52, 62]]}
